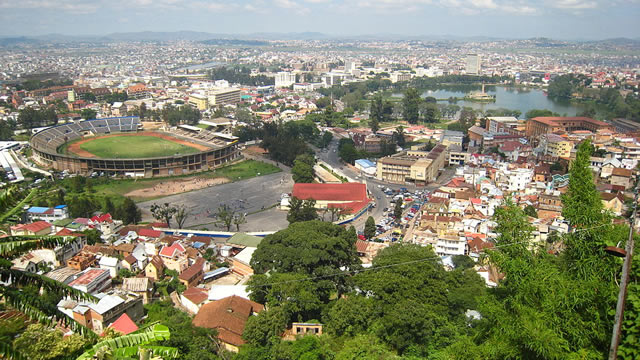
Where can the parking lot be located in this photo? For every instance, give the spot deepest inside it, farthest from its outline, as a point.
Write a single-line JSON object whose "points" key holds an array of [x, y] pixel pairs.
{"points": [[390, 229], [255, 197]]}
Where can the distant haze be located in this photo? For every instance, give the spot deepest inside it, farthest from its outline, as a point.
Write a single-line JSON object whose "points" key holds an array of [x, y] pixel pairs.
{"points": [[559, 19]]}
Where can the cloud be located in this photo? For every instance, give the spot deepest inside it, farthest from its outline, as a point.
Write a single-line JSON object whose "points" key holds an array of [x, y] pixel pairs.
{"points": [[291, 5], [573, 4], [385, 5], [75, 7], [474, 7]]}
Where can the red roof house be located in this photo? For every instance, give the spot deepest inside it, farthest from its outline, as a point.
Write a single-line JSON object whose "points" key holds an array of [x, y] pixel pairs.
{"points": [[124, 325]]}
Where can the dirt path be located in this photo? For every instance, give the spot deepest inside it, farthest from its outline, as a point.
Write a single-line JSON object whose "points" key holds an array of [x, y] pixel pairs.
{"points": [[172, 187], [75, 147]]}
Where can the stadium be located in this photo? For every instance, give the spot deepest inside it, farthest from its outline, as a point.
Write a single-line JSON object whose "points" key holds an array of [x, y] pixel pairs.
{"points": [[120, 147]]}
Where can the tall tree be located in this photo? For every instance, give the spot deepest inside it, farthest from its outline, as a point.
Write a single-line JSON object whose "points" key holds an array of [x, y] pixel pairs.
{"points": [[370, 228], [376, 115], [411, 105], [182, 213], [163, 212], [225, 215], [301, 210], [303, 168]]}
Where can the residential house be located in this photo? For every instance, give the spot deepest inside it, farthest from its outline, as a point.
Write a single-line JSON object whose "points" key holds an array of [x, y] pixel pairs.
{"points": [[301, 329], [124, 325], [193, 275], [155, 268], [142, 286], [98, 316], [38, 228], [241, 263], [622, 177], [613, 202], [110, 263], [92, 280], [193, 298], [82, 260], [228, 316], [48, 214], [174, 257]]}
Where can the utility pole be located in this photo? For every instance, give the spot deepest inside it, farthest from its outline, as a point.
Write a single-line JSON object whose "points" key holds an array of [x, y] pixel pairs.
{"points": [[622, 295]]}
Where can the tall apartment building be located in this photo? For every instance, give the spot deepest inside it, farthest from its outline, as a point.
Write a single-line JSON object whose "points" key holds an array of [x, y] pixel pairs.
{"points": [[285, 79], [414, 166], [473, 64], [224, 96]]}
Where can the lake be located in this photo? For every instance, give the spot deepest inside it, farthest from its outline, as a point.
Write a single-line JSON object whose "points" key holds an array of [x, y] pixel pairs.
{"points": [[509, 98]]}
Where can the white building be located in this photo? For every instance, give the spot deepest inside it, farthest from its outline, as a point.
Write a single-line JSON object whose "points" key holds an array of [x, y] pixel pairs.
{"points": [[473, 64], [285, 79]]}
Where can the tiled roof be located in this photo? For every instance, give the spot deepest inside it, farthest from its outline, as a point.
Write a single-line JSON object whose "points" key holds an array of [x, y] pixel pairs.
{"points": [[195, 295], [192, 270], [228, 316], [124, 324], [331, 192], [88, 276], [149, 233]]}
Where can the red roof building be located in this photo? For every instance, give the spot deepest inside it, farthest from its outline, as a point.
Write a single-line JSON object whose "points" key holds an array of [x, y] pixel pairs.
{"points": [[124, 325], [352, 197], [228, 316]]}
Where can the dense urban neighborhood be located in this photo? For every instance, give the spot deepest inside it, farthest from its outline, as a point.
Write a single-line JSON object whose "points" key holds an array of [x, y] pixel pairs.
{"points": [[319, 199]]}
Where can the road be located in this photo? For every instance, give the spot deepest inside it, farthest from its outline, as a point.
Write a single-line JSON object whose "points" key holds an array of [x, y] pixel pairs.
{"points": [[331, 157]]}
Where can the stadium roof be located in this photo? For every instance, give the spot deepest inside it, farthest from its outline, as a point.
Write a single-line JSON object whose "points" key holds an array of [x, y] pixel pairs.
{"points": [[189, 127], [331, 192]]}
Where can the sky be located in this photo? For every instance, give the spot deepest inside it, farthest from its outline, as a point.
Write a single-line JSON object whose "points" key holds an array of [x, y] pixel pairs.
{"points": [[558, 19]]}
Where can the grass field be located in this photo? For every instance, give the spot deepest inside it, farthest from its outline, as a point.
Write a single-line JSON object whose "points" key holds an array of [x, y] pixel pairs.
{"points": [[129, 147], [235, 172]]}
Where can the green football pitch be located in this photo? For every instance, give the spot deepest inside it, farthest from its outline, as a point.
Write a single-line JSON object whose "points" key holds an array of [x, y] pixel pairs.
{"points": [[131, 147]]}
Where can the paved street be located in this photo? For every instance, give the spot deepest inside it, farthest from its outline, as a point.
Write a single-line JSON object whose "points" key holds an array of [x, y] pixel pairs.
{"points": [[247, 196]]}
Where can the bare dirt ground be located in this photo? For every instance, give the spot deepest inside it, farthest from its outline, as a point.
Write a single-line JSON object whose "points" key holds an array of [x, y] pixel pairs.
{"points": [[75, 147], [171, 187]]}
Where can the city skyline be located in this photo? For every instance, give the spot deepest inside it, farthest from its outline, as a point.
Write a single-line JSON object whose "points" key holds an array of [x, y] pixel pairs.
{"points": [[564, 19]]}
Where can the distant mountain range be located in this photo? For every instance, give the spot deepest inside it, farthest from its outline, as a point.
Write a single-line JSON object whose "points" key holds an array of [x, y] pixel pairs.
{"points": [[212, 37]]}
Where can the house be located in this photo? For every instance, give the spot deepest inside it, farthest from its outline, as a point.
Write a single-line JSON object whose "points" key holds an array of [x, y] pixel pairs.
{"points": [[613, 202], [622, 177], [37, 228], [130, 263], [124, 325], [110, 263], [154, 269], [92, 280], [192, 276], [48, 214], [110, 307], [64, 275], [82, 260], [142, 286], [302, 329], [28, 262], [174, 257], [228, 316], [241, 263], [193, 298]]}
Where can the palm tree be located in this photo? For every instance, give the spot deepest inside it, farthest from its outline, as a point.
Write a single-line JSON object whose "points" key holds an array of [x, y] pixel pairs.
{"points": [[136, 344]]}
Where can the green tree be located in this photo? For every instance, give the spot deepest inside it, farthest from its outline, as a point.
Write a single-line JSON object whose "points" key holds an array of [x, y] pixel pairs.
{"points": [[397, 210], [531, 211], [398, 137], [411, 105], [370, 228], [301, 210], [225, 215], [325, 245], [40, 342], [88, 114], [129, 212], [266, 327], [303, 168], [163, 212], [378, 113], [538, 112]]}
